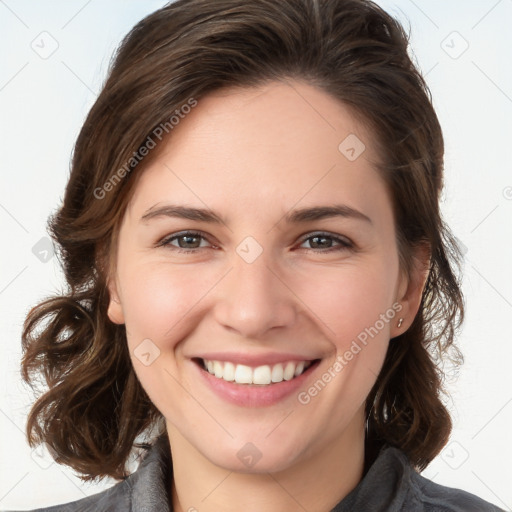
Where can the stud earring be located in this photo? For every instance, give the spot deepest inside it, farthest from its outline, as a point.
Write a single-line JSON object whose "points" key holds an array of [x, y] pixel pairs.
{"points": [[400, 322]]}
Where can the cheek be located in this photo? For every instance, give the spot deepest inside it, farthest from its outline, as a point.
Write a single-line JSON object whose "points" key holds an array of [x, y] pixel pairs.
{"points": [[354, 306], [161, 304], [157, 299], [351, 299]]}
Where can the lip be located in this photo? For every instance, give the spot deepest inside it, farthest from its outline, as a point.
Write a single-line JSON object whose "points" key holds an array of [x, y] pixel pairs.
{"points": [[254, 395], [253, 360]]}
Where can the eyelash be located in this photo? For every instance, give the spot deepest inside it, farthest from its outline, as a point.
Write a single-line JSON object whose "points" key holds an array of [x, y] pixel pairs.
{"points": [[344, 244]]}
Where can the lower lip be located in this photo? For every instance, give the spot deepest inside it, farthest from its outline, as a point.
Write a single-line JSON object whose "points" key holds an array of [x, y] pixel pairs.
{"points": [[254, 395]]}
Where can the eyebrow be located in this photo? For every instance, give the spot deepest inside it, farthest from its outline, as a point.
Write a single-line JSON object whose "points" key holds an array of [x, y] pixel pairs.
{"points": [[297, 216]]}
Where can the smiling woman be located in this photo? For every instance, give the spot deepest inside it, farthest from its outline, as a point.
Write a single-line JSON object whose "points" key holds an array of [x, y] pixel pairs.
{"points": [[260, 286]]}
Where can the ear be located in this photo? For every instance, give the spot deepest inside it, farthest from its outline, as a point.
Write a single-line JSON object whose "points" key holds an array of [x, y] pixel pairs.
{"points": [[115, 308], [410, 289]]}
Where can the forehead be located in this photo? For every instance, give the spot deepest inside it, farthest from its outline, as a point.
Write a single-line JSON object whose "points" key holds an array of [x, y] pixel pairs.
{"points": [[278, 144]]}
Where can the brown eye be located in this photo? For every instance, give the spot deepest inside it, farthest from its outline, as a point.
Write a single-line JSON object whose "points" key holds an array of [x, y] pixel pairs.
{"points": [[325, 242], [188, 241]]}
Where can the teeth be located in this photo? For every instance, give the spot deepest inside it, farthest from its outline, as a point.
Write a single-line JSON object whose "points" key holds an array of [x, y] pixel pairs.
{"points": [[229, 372], [262, 375], [289, 370], [299, 369], [243, 374], [218, 370], [277, 373]]}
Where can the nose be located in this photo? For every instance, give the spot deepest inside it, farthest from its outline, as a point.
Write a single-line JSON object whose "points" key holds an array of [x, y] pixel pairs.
{"points": [[254, 298]]}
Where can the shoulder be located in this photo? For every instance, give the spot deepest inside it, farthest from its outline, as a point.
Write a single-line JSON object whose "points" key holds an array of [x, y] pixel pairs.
{"points": [[425, 495], [439, 498], [392, 484], [116, 498], [145, 489]]}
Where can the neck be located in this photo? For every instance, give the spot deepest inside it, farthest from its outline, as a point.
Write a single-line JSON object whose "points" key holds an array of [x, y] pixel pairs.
{"points": [[316, 484]]}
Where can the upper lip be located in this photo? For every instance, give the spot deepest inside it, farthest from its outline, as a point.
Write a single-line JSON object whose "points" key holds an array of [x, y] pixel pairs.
{"points": [[254, 360]]}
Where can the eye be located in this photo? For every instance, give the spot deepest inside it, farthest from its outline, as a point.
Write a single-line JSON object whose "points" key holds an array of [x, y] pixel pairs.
{"points": [[186, 242], [326, 243], [191, 242]]}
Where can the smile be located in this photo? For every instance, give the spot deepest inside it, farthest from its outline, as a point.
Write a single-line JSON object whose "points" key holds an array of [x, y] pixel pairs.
{"points": [[245, 381], [263, 375]]}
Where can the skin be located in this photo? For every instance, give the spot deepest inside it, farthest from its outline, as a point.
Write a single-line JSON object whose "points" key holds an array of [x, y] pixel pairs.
{"points": [[253, 155]]}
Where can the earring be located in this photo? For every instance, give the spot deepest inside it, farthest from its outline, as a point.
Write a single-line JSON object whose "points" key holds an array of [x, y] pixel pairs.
{"points": [[400, 322]]}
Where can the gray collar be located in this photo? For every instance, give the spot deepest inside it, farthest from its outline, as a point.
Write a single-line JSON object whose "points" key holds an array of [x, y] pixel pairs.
{"points": [[150, 490], [383, 488], [391, 484]]}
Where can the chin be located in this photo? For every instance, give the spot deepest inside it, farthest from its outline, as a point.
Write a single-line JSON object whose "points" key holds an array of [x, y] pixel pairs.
{"points": [[258, 456]]}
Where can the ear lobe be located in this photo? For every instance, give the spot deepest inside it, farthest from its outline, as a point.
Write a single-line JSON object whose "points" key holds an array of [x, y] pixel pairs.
{"points": [[411, 288], [115, 308]]}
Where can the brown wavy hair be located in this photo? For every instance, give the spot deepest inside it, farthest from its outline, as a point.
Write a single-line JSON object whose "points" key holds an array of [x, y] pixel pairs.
{"points": [[93, 408]]}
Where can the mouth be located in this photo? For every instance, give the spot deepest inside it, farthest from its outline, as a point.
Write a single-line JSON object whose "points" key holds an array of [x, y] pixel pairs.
{"points": [[259, 376]]}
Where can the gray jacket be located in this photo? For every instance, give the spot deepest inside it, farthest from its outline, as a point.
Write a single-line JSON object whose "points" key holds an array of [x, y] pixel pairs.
{"points": [[390, 485]]}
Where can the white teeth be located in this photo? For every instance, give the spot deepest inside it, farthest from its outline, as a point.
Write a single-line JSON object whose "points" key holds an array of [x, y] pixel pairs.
{"points": [[289, 370], [262, 375], [243, 374], [299, 369], [277, 373], [229, 372], [218, 369]]}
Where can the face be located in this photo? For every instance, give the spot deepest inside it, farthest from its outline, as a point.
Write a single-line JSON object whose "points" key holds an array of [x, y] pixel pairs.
{"points": [[258, 276]]}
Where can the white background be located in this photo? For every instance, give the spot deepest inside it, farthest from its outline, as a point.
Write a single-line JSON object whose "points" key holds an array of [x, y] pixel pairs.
{"points": [[43, 102]]}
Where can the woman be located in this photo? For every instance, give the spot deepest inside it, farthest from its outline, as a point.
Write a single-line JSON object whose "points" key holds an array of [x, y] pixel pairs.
{"points": [[260, 281]]}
